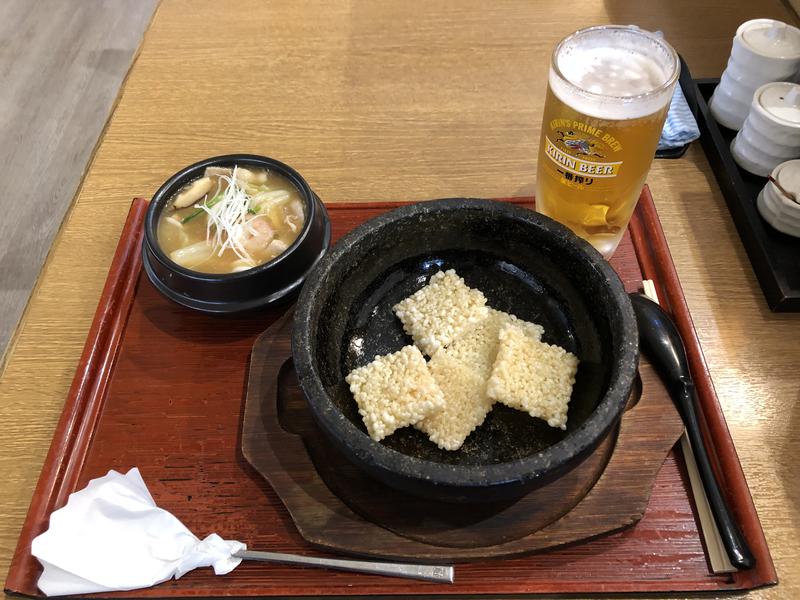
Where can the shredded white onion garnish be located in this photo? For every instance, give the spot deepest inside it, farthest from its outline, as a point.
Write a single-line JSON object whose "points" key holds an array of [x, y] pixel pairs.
{"points": [[228, 223]]}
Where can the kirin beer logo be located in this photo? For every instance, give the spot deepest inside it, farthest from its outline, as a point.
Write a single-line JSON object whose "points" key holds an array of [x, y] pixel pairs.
{"points": [[579, 145]]}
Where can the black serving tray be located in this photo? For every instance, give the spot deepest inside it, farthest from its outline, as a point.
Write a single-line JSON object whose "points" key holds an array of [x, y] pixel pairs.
{"points": [[775, 256]]}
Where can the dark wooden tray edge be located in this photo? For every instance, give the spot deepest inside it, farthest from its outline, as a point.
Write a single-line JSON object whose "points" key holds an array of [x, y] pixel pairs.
{"points": [[82, 408], [656, 263]]}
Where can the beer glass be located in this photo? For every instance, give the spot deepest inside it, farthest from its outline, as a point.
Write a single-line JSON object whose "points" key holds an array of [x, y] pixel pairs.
{"points": [[608, 94]]}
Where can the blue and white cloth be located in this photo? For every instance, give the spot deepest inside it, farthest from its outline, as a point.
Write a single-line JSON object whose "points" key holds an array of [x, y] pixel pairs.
{"points": [[680, 127]]}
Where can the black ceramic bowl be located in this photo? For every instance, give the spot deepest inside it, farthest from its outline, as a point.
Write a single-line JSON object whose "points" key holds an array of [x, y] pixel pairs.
{"points": [[265, 284], [526, 264]]}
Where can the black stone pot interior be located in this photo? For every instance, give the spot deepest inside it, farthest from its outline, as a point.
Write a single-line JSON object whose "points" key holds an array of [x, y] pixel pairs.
{"points": [[274, 281], [526, 264]]}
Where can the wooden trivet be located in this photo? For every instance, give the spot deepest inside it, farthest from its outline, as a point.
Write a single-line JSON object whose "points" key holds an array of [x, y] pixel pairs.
{"points": [[335, 506]]}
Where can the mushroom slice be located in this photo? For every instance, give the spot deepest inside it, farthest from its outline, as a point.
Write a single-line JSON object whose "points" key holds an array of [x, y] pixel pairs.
{"points": [[173, 222], [192, 192], [247, 176], [218, 171]]}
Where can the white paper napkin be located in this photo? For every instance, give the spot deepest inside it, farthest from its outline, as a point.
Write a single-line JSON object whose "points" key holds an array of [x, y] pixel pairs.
{"points": [[112, 536]]}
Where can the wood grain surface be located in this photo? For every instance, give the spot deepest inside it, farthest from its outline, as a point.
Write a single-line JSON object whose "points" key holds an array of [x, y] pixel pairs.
{"points": [[61, 64], [412, 100]]}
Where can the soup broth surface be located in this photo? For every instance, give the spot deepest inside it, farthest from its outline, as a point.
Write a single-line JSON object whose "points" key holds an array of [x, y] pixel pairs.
{"points": [[231, 220]]}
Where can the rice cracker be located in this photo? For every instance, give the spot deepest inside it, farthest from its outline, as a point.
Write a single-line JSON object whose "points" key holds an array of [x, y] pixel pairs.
{"points": [[434, 315], [532, 376], [393, 391]]}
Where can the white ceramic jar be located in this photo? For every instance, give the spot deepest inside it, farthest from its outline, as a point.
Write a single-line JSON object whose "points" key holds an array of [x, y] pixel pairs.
{"points": [[771, 133], [764, 50], [778, 209]]}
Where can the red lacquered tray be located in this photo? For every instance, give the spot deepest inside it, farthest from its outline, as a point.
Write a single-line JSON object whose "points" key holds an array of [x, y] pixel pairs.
{"points": [[161, 387]]}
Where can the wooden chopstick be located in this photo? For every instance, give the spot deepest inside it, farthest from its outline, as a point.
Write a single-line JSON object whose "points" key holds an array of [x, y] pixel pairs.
{"points": [[717, 555]]}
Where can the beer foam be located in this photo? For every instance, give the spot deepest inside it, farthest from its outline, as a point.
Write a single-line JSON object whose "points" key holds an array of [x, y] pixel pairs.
{"points": [[608, 70]]}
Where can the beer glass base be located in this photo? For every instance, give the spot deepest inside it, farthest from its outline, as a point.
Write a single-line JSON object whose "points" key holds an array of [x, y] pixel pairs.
{"points": [[605, 245]]}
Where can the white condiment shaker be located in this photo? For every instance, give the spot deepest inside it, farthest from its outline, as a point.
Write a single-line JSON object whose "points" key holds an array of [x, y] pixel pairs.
{"points": [[779, 209], [771, 133], [764, 50]]}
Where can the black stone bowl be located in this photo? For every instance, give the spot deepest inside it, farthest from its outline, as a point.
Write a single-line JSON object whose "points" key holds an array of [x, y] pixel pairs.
{"points": [[276, 280], [526, 264]]}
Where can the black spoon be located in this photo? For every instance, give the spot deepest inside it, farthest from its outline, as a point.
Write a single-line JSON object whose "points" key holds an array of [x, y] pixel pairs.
{"points": [[662, 343]]}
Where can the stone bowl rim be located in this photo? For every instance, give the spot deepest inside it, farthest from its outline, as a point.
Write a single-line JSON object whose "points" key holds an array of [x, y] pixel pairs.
{"points": [[543, 464]]}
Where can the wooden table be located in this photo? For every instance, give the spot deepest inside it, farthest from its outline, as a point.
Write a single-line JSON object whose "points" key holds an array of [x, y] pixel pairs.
{"points": [[403, 100]]}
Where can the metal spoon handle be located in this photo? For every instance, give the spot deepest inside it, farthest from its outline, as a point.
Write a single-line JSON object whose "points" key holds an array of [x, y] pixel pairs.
{"points": [[738, 551], [443, 574]]}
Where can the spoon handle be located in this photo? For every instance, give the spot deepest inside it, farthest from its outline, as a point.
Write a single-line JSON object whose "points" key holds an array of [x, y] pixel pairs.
{"points": [[441, 574], [661, 341], [738, 551]]}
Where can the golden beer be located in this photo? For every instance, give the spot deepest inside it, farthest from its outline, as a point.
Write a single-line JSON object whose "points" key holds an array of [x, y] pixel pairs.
{"points": [[607, 98]]}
